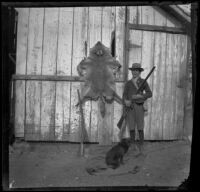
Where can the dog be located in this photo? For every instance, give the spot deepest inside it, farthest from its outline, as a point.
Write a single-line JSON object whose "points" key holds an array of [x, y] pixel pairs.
{"points": [[114, 157]]}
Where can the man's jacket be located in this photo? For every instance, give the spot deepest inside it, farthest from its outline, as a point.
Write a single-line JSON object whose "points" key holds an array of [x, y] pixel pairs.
{"points": [[130, 89]]}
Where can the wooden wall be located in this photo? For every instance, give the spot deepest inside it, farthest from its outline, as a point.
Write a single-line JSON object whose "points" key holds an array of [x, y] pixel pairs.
{"points": [[168, 52], [51, 41]]}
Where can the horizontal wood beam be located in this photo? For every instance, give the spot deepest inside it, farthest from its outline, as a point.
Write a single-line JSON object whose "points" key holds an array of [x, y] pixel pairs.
{"points": [[155, 28], [79, 4], [50, 78]]}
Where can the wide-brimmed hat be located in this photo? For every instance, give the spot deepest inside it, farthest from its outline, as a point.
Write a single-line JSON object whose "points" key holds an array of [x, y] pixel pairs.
{"points": [[136, 66]]}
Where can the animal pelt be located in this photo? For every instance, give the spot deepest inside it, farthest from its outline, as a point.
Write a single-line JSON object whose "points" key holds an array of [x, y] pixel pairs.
{"points": [[114, 156], [97, 71]]}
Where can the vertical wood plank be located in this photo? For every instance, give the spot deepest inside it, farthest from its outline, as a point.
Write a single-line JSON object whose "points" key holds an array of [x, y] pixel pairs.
{"points": [[48, 111], [158, 87], [65, 41], [75, 114], [147, 60], [147, 16], [133, 16], [94, 35], [181, 79], [163, 82], [147, 63], [32, 126], [187, 125], [35, 37], [34, 62], [105, 125], [95, 24], [108, 25], [22, 34], [50, 41], [94, 121], [79, 36], [19, 108], [120, 37], [49, 68], [62, 114], [135, 51], [139, 14], [168, 99], [174, 84]]}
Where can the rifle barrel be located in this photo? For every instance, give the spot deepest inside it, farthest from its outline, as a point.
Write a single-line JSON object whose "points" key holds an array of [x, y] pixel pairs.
{"points": [[146, 79]]}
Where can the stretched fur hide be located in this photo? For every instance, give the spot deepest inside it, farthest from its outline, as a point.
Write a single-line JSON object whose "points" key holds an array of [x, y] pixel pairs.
{"points": [[98, 71]]}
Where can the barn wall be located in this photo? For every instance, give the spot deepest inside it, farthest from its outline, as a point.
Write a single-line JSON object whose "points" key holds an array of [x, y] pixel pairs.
{"points": [[51, 41]]}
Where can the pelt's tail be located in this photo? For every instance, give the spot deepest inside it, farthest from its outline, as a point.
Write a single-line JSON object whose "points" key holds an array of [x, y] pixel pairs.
{"points": [[102, 107]]}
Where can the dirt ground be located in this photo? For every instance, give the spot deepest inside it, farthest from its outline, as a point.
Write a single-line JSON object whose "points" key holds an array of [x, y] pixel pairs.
{"points": [[59, 165], [36, 165]]}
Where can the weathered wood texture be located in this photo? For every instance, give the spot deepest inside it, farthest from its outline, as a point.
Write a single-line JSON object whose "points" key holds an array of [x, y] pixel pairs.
{"points": [[64, 64], [21, 60], [34, 63], [168, 52], [52, 41]]}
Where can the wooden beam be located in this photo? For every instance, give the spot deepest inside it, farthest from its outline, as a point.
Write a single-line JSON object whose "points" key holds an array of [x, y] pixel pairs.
{"points": [[157, 28], [51, 78], [77, 4], [46, 78], [174, 11]]}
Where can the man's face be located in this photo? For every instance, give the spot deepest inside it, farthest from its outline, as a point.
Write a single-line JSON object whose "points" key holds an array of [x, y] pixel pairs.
{"points": [[135, 73]]}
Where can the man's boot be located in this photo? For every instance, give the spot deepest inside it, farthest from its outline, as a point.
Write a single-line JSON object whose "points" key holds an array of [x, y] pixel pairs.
{"points": [[133, 143], [132, 135], [141, 141]]}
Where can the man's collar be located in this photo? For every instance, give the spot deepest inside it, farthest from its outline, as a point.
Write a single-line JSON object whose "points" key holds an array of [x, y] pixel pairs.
{"points": [[136, 79]]}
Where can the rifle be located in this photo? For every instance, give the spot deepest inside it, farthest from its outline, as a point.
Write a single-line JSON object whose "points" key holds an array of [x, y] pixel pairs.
{"points": [[120, 122], [82, 126]]}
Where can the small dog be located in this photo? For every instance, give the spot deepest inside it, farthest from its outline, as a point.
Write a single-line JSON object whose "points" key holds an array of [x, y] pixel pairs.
{"points": [[114, 156]]}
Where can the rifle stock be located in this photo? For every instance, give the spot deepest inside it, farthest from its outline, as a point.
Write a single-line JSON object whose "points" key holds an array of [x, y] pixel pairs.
{"points": [[120, 122]]}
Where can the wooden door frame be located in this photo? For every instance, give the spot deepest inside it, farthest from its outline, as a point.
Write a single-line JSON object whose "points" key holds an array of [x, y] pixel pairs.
{"points": [[143, 27]]}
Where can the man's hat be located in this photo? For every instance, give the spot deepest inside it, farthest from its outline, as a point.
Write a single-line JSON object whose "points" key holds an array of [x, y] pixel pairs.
{"points": [[136, 66]]}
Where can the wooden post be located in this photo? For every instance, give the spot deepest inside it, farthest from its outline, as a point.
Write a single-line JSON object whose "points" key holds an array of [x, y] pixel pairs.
{"points": [[82, 126]]}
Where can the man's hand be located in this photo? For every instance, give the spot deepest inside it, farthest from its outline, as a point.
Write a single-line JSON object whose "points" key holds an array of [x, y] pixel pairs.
{"points": [[138, 96], [127, 103]]}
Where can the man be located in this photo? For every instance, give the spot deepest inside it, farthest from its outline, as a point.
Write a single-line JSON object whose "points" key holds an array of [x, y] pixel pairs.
{"points": [[135, 117]]}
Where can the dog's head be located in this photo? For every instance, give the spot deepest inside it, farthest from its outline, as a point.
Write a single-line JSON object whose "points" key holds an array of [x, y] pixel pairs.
{"points": [[125, 142]]}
